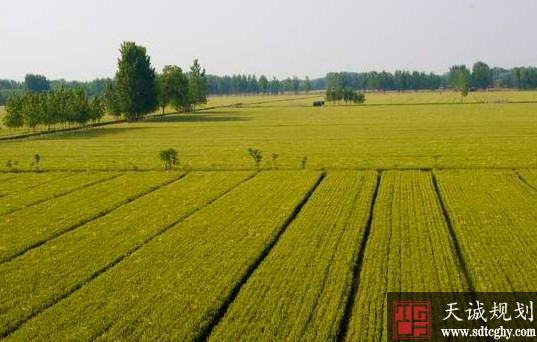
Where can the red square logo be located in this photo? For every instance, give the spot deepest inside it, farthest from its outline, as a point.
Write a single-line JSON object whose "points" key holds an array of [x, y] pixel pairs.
{"points": [[411, 320]]}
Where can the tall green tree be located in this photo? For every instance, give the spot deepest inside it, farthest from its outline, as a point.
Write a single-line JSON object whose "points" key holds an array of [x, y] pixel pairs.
{"points": [[459, 78], [197, 85], [173, 88], [109, 99], [481, 75], [14, 112], [36, 83], [136, 82]]}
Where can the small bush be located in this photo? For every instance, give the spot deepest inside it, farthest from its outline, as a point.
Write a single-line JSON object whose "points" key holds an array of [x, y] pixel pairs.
{"points": [[256, 155]]}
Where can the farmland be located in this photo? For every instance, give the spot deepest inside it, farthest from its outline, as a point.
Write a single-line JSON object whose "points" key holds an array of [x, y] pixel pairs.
{"points": [[412, 192], [486, 135]]}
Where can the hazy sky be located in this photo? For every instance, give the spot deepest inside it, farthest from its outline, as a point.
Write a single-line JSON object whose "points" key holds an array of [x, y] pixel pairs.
{"points": [[80, 39]]}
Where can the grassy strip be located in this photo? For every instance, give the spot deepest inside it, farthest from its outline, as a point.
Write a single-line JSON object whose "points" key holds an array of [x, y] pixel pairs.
{"points": [[300, 290], [74, 258], [409, 250], [23, 181], [30, 227], [493, 216], [50, 190], [173, 287]]}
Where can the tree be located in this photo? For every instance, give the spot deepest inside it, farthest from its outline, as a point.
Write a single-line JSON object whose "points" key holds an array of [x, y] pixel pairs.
{"points": [[173, 88], [481, 75], [358, 98], [36, 83], [263, 84], [110, 101], [14, 112], [295, 84], [136, 86], [307, 85], [96, 109], [197, 85], [459, 79], [169, 158]]}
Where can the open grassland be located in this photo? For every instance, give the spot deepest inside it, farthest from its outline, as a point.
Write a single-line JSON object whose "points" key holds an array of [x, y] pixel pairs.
{"points": [[412, 136], [275, 255]]}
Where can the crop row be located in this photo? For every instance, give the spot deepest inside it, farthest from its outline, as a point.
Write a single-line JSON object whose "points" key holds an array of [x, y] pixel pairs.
{"points": [[409, 250], [300, 290], [56, 187], [38, 278], [530, 177], [493, 216], [175, 285], [14, 182], [33, 225]]}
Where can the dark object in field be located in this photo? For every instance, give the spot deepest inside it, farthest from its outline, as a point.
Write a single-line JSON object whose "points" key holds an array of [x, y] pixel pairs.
{"points": [[318, 103]]}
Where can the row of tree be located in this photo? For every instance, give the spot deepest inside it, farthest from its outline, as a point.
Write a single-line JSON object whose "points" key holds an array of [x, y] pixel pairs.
{"points": [[347, 95], [459, 77], [136, 91], [56, 107], [252, 85], [38, 83]]}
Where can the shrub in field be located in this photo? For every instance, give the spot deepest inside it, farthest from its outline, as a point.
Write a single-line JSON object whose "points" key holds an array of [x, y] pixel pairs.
{"points": [[275, 157], [304, 161], [35, 162], [256, 155], [169, 158]]}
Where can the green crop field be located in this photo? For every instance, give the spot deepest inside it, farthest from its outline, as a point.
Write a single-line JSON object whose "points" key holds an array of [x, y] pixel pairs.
{"points": [[368, 137], [410, 192]]}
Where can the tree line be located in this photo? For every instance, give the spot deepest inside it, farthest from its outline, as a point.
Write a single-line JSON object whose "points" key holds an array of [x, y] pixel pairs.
{"points": [[459, 77], [253, 85], [135, 91]]}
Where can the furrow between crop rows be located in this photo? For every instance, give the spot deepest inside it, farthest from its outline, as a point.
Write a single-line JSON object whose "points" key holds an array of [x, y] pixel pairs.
{"points": [[53, 189], [493, 216], [31, 227], [300, 290], [28, 180], [81, 255], [409, 250], [174, 286]]}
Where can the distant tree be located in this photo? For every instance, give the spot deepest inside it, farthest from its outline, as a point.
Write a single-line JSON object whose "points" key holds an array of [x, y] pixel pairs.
{"points": [[358, 98], [459, 79], [169, 158], [173, 88], [136, 86], [481, 75], [307, 85], [36, 83], [197, 85], [109, 99], [275, 86], [14, 112], [295, 84], [96, 109], [263, 84]]}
